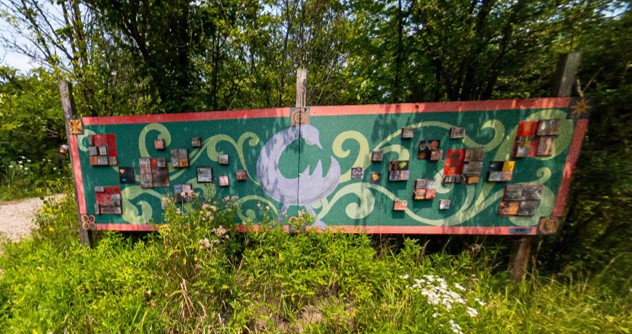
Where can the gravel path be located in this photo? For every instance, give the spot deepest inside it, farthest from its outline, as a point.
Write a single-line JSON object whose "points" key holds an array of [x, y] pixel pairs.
{"points": [[16, 217]]}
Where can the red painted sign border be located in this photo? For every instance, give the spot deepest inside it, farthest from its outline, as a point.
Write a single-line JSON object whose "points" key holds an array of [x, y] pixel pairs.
{"points": [[462, 106]]}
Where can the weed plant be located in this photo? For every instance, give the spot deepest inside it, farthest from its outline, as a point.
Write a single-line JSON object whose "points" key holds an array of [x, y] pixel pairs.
{"points": [[199, 275]]}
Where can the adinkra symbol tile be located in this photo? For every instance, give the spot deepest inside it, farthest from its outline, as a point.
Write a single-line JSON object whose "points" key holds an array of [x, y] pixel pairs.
{"points": [[180, 158], [204, 174], [356, 172], [241, 175], [223, 159], [408, 133]]}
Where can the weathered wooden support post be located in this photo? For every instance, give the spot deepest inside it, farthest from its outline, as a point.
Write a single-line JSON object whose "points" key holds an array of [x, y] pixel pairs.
{"points": [[301, 87], [68, 104], [566, 73], [563, 87]]}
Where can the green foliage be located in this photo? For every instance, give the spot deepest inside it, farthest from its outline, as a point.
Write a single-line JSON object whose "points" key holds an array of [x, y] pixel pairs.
{"points": [[198, 275], [598, 229], [30, 112], [32, 129]]}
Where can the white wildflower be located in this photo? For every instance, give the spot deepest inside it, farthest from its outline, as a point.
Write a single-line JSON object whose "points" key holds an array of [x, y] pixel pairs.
{"points": [[459, 286], [480, 302], [455, 327], [405, 276], [472, 312], [219, 231]]}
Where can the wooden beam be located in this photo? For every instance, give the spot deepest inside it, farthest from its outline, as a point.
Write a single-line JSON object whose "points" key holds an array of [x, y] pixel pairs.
{"points": [[68, 104]]}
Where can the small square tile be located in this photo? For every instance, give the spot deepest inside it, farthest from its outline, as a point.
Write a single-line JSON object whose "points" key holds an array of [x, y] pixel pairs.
{"points": [[196, 141], [408, 133], [224, 181], [457, 133], [223, 159], [241, 175]]}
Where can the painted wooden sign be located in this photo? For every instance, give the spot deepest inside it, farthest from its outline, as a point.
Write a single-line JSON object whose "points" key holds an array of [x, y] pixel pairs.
{"points": [[483, 167]]}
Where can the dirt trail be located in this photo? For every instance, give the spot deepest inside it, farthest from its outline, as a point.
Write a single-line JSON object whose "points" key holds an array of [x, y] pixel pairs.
{"points": [[16, 217]]}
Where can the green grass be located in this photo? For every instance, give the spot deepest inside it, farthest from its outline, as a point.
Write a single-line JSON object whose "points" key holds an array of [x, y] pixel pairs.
{"points": [[200, 276]]}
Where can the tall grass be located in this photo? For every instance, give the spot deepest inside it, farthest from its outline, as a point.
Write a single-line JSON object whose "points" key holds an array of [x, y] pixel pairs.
{"points": [[200, 276]]}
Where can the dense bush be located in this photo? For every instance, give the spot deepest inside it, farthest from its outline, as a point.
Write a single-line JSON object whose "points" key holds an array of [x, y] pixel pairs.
{"points": [[199, 275]]}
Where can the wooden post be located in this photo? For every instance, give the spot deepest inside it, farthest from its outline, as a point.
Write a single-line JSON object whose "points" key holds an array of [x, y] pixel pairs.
{"points": [[564, 81], [68, 104], [301, 87], [519, 261], [566, 72]]}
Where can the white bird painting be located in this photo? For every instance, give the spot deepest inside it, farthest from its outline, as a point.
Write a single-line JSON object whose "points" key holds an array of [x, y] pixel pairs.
{"points": [[308, 187]]}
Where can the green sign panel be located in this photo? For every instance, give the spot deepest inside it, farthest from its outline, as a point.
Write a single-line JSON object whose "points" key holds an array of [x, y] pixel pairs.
{"points": [[483, 167]]}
